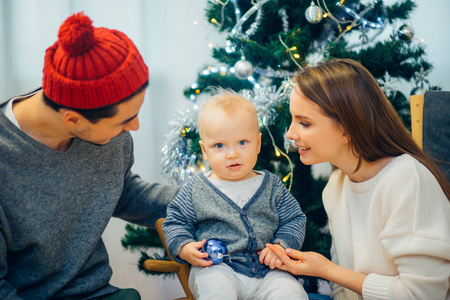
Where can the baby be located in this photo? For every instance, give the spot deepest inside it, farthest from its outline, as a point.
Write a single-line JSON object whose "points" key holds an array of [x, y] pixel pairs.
{"points": [[242, 207]]}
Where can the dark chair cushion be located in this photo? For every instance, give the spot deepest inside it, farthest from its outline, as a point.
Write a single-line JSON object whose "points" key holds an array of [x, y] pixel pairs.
{"points": [[436, 128]]}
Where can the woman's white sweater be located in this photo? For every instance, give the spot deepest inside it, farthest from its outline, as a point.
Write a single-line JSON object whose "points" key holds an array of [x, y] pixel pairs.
{"points": [[395, 227]]}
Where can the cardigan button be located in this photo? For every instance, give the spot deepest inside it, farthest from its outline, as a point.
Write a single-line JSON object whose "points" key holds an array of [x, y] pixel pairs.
{"points": [[243, 212], [252, 235], [255, 270]]}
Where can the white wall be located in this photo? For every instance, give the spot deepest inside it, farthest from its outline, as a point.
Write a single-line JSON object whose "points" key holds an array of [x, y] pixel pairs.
{"points": [[175, 50]]}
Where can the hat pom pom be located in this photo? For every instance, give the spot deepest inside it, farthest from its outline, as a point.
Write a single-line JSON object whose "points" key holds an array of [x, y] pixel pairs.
{"points": [[76, 34]]}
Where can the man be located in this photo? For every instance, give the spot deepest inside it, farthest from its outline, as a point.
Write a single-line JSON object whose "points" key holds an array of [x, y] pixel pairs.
{"points": [[65, 167]]}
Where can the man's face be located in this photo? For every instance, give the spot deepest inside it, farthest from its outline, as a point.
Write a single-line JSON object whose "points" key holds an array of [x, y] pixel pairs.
{"points": [[107, 128]]}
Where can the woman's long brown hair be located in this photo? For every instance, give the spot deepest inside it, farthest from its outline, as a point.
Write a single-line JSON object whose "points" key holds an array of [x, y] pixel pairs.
{"points": [[350, 95]]}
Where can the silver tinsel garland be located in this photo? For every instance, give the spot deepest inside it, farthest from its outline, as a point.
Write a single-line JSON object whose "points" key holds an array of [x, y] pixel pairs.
{"points": [[177, 162]]}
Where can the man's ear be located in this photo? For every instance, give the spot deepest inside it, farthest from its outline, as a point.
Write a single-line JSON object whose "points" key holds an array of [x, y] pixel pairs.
{"points": [[72, 118], [205, 156]]}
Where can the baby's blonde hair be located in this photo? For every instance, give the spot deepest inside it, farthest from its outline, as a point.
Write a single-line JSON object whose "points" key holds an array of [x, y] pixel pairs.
{"points": [[226, 100]]}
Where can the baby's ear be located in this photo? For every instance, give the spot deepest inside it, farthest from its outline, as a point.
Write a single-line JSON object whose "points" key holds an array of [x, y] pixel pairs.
{"points": [[259, 142], [205, 156]]}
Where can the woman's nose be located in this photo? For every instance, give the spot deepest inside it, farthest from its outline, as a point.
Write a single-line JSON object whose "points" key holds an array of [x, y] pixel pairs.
{"points": [[291, 134]]}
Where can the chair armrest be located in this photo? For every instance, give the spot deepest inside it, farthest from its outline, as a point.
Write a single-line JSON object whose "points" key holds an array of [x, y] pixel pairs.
{"points": [[162, 266]]}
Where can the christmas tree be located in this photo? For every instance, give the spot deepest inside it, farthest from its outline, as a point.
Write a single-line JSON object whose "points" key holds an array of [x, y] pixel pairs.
{"points": [[266, 42]]}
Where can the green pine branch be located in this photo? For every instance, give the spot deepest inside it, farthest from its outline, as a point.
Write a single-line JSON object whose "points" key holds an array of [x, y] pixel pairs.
{"points": [[138, 237]]}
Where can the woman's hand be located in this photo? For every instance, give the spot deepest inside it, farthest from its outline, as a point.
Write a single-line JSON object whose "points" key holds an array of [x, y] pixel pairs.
{"points": [[301, 263], [192, 254], [317, 265]]}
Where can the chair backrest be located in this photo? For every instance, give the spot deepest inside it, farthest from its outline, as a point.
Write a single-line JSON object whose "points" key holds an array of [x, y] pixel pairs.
{"points": [[417, 118], [430, 126]]}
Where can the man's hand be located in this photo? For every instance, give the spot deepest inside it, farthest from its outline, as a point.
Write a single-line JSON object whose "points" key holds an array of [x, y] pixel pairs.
{"points": [[192, 254]]}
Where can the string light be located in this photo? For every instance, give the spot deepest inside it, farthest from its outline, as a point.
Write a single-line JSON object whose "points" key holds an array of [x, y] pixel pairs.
{"points": [[291, 165], [286, 178], [290, 53]]}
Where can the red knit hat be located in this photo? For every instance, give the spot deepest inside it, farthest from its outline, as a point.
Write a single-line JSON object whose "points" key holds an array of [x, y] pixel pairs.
{"points": [[90, 67]]}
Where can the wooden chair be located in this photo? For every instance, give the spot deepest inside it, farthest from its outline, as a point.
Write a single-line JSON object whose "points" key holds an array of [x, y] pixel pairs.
{"points": [[416, 103], [163, 266], [430, 126]]}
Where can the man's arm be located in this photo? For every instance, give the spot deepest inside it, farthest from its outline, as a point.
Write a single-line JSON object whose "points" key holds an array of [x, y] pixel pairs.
{"points": [[143, 203]]}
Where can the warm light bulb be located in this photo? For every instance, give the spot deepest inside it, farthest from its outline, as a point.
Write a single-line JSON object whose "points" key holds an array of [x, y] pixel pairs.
{"points": [[296, 55], [286, 177]]}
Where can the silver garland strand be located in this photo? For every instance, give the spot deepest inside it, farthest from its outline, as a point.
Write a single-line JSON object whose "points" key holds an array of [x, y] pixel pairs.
{"points": [[269, 72], [254, 26], [284, 19], [178, 164], [266, 101]]}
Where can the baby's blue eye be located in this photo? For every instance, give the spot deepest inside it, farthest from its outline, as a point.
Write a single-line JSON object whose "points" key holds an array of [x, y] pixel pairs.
{"points": [[219, 146], [242, 143]]}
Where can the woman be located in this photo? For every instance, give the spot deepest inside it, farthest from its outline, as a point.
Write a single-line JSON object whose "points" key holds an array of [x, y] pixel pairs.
{"points": [[387, 203]]}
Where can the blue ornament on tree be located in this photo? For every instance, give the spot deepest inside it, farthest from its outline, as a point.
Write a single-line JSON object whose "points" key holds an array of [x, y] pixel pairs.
{"points": [[216, 249]]}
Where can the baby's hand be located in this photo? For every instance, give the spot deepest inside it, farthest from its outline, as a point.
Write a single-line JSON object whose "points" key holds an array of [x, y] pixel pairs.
{"points": [[269, 259], [192, 254]]}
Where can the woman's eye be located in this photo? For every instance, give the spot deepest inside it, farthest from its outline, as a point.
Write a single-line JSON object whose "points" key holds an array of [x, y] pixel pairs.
{"points": [[219, 146], [304, 124], [242, 143]]}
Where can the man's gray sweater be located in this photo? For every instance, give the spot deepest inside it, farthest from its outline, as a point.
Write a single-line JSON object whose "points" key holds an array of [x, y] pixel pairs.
{"points": [[54, 208]]}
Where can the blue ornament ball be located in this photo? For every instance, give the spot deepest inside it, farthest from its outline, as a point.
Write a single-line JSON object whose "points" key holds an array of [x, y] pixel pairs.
{"points": [[216, 249]]}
